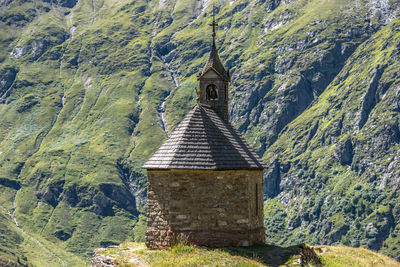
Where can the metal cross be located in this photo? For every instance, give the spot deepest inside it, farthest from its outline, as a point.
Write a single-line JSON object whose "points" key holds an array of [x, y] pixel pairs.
{"points": [[213, 24]]}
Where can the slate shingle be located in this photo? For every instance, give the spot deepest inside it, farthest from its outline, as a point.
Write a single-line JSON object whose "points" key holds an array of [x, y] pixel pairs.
{"points": [[204, 141]]}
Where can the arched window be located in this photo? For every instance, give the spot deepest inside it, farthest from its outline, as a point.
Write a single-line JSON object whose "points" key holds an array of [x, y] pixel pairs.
{"points": [[212, 92]]}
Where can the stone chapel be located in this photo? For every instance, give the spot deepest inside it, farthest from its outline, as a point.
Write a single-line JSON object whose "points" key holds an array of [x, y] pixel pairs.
{"points": [[205, 183]]}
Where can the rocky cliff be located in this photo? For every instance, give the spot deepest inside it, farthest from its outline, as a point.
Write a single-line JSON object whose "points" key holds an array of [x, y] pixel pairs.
{"points": [[89, 89]]}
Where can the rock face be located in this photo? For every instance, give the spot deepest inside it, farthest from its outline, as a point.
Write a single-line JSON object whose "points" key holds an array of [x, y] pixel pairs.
{"points": [[207, 208], [344, 171]]}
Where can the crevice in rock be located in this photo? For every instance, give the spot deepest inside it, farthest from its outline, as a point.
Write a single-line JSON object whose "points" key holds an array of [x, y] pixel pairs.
{"points": [[7, 80], [386, 224], [271, 5], [396, 131], [121, 195], [52, 195], [130, 179], [345, 152], [311, 134], [340, 126], [10, 183], [370, 97], [272, 180]]}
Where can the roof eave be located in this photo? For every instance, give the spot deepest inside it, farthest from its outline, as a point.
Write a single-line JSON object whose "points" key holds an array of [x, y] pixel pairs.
{"points": [[201, 169]]}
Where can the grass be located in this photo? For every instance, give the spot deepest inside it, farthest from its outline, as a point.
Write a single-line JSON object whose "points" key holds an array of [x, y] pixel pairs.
{"points": [[17, 246], [339, 256], [257, 255], [184, 255]]}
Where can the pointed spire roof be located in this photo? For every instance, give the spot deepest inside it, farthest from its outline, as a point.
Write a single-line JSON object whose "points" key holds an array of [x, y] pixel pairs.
{"points": [[204, 141], [214, 62]]}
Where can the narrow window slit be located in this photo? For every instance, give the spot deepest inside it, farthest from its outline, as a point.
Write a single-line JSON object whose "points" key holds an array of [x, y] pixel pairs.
{"points": [[256, 199]]}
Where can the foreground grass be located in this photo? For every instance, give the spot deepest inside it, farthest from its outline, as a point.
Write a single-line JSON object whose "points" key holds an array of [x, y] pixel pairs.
{"points": [[355, 257], [136, 254], [132, 254]]}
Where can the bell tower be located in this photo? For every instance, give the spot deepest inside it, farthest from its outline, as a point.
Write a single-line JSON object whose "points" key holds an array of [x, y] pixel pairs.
{"points": [[214, 80]]}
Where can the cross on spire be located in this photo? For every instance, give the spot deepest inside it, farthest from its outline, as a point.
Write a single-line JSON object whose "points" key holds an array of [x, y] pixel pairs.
{"points": [[213, 24]]}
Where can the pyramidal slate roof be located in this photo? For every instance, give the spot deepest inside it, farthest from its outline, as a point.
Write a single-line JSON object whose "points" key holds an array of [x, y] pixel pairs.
{"points": [[204, 141], [214, 63]]}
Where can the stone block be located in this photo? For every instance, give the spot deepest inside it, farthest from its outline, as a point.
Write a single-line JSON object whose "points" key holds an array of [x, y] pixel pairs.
{"points": [[222, 223], [181, 217], [175, 184]]}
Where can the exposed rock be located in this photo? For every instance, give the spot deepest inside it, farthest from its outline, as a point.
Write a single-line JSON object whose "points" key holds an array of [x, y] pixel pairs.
{"points": [[10, 183], [70, 195], [63, 3], [370, 97], [272, 180], [102, 205], [344, 152], [272, 4], [52, 194], [7, 77], [120, 195], [101, 260], [60, 234], [383, 10], [27, 102]]}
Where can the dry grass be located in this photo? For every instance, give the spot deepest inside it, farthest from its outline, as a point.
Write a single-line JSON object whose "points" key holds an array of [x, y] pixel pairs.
{"points": [[136, 254], [339, 256]]}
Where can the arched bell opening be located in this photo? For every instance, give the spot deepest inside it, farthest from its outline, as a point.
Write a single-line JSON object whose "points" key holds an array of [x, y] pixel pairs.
{"points": [[211, 92]]}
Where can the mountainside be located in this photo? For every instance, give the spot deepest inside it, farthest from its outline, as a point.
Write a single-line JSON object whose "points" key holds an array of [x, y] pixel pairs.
{"points": [[344, 152], [89, 89]]}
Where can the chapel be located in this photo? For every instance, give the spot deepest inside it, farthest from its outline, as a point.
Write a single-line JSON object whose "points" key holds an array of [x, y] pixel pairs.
{"points": [[205, 183]]}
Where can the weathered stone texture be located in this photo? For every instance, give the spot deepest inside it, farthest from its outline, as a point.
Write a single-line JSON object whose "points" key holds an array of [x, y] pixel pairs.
{"points": [[211, 208]]}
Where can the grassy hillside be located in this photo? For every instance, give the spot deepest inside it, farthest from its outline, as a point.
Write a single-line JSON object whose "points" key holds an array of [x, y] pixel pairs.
{"points": [[82, 83], [136, 254], [27, 249]]}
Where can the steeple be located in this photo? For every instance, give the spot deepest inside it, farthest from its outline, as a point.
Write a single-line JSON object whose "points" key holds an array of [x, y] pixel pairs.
{"points": [[214, 61], [214, 80]]}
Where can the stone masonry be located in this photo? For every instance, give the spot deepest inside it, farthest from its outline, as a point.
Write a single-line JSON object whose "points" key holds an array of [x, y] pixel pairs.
{"points": [[205, 207]]}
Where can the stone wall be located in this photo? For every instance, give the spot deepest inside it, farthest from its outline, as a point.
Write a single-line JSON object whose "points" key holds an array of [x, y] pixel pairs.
{"points": [[210, 208]]}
